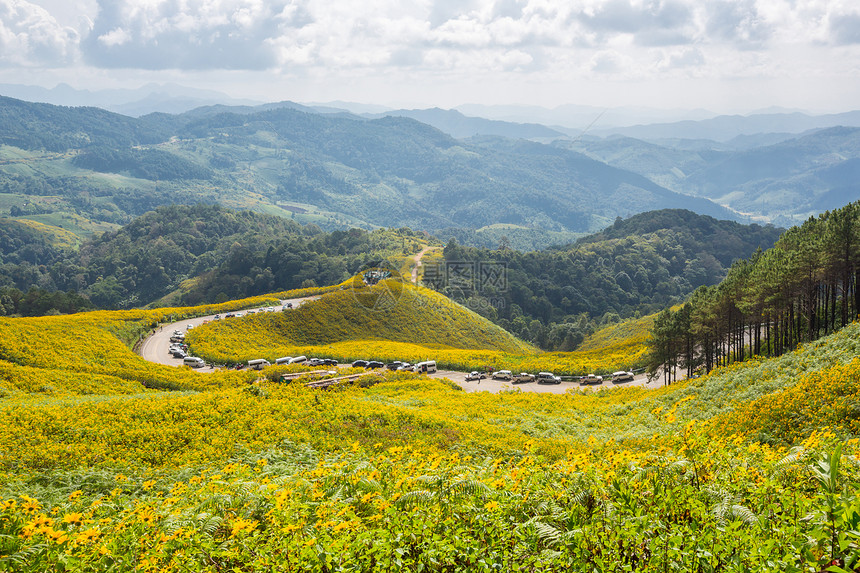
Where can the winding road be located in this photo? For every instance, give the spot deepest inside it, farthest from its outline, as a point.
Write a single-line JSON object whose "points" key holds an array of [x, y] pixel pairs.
{"points": [[155, 349]]}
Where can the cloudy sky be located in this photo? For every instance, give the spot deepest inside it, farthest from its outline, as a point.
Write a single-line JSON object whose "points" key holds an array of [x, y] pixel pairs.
{"points": [[723, 55]]}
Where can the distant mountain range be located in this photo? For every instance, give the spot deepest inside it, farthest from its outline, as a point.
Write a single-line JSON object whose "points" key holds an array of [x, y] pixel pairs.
{"points": [[775, 166], [784, 182], [334, 169], [149, 98]]}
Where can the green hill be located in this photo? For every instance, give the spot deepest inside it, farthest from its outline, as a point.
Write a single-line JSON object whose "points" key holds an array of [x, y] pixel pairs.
{"points": [[191, 255], [389, 313]]}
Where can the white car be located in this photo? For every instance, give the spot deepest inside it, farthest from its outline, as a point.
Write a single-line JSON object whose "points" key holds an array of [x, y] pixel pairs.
{"points": [[475, 376], [590, 379], [622, 376], [547, 378]]}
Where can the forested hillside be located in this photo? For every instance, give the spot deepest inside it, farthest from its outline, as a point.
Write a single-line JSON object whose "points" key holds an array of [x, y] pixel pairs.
{"points": [[205, 254], [230, 254], [805, 287], [556, 297]]}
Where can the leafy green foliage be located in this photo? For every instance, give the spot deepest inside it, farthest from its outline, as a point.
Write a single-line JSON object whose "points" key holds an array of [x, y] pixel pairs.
{"points": [[556, 297], [205, 252], [801, 289]]}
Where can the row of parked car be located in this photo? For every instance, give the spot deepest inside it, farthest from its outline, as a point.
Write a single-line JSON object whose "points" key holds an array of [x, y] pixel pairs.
{"points": [[546, 377], [426, 367], [178, 349], [521, 378], [249, 312], [260, 363]]}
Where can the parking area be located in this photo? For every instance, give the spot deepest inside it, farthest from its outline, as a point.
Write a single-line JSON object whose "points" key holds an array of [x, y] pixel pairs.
{"points": [[495, 386]]}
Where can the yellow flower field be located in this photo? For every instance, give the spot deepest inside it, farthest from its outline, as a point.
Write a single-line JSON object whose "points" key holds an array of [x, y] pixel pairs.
{"points": [[108, 462]]}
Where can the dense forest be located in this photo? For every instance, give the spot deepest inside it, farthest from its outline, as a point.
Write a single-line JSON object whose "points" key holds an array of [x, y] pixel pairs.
{"points": [[208, 253], [555, 297], [803, 288], [230, 254]]}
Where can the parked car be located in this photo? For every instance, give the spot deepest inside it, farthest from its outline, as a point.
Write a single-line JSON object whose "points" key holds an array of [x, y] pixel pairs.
{"points": [[329, 361], [621, 376], [590, 379], [258, 364], [426, 367], [359, 364], [523, 378], [405, 367], [394, 365], [547, 378], [194, 362], [375, 364], [473, 375], [178, 353], [316, 362], [503, 375]]}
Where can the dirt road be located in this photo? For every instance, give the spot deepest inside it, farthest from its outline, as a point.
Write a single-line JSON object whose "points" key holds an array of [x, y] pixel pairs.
{"points": [[416, 264]]}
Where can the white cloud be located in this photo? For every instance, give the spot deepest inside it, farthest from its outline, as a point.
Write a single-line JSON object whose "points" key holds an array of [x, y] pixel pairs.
{"points": [[184, 34], [419, 43], [30, 36], [116, 37]]}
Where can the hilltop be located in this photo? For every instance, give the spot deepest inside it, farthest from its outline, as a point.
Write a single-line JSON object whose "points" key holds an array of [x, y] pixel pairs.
{"points": [[391, 311]]}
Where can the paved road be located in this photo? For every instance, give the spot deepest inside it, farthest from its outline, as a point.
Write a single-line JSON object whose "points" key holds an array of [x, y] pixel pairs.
{"points": [[154, 348]]}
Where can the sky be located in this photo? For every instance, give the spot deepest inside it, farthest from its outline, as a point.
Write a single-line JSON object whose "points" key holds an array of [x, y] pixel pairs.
{"points": [[722, 55]]}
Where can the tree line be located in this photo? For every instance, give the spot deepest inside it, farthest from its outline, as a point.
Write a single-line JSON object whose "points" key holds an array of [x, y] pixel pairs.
{"points": [[554, 298], [804, 288]]}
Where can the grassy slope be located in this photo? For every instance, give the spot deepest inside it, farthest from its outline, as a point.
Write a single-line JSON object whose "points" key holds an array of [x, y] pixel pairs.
{"points": [[393, 312], [89, 353], [411, 324]]}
